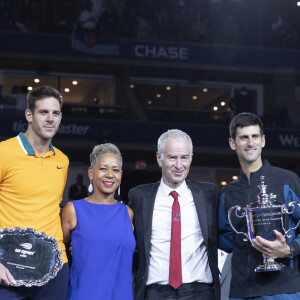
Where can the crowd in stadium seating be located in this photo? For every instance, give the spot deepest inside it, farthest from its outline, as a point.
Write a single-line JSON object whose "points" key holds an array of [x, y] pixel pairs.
{"points": [[268, 23]]}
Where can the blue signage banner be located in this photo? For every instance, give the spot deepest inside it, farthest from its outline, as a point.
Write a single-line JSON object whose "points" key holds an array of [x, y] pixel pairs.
{"points": [[102, 46], [143, 133]]}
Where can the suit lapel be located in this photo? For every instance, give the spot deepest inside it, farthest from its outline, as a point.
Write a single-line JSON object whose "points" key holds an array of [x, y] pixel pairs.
{"points": [[148, 207], [200, 204]]}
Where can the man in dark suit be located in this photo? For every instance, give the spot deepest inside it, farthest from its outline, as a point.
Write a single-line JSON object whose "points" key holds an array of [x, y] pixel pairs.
{"points": [[175, 228]]}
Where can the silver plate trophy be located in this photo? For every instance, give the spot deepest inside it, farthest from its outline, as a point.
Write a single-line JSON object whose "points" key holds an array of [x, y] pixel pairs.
{"points": [[264, 216], [32, 257]]}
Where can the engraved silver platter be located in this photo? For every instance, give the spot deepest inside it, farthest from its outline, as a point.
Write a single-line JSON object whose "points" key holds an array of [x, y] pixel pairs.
{"points": [[32, 257]]}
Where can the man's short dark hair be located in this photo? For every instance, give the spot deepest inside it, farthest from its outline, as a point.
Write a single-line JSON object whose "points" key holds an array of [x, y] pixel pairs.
{"points": [[244, 119], [41, 93]]}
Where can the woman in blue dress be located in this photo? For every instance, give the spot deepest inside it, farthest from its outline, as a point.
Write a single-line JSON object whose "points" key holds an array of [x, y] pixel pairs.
{"points": [[101, 232]]}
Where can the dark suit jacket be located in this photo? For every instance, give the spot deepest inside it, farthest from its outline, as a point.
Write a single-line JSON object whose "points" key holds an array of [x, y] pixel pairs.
{"points": [[141, 200]]}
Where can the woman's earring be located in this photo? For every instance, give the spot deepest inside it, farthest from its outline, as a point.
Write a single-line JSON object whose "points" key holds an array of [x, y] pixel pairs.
{"points": [[119, 190], [90, 188]]}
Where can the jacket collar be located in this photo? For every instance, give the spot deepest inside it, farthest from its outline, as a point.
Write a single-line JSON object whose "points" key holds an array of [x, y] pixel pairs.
{"points": [[264, 169], [148, 207]]}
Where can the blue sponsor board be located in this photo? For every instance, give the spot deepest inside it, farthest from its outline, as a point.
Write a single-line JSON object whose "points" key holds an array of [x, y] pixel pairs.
{"points": [[102, 46], [282, 139], [144, 133]]}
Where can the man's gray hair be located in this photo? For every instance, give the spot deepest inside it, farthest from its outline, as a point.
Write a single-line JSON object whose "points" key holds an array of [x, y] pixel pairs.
{"points": [[104, 149], [173, 134]]}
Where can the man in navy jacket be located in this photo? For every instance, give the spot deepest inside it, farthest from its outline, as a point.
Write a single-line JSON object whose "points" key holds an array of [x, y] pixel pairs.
{"points": [[248, 140]]}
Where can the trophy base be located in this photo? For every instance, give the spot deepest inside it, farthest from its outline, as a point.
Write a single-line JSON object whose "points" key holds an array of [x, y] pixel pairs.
{"points": [[270, 267]]}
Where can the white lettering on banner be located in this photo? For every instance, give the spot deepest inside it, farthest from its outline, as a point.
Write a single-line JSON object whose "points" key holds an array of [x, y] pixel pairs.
{"points": [[73, 129], [161, 52], [290, 140], [63, 129], [19, 126]]}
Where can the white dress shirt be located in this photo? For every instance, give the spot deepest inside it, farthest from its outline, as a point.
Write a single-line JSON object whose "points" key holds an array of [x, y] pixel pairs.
{"points": [[194, 259]]}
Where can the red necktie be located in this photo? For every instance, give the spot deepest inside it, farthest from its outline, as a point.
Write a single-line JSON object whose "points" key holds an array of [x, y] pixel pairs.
{"points": [[175, 274]]}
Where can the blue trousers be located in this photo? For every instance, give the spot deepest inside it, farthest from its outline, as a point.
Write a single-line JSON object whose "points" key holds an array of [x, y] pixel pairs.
{"points": [[55, 289]]}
